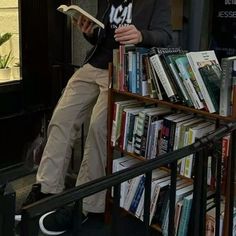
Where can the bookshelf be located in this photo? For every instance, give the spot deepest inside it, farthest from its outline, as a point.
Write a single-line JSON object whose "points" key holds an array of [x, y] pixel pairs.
{"points": [[115, 94]]}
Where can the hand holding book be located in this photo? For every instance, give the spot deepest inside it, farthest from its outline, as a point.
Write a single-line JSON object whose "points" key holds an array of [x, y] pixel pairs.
{"points": [[85, 24]]}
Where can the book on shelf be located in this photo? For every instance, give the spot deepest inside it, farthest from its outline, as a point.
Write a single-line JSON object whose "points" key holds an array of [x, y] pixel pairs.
{"points": [[184, 141], [121, 164], [155, 195], [154, 138], [158, 175], [150, 117], [132, 69], [224, 162], [171, 68], [211, 75], [199, 60], [190, 82], [118, 108], [168, 131], [181, 192], [162, 75], [115, 68], [141, 75], [156, 186], [228, 86], [185, 215], [131, 191], [195, 132], [139, 131], [211, 219], [163, 201], [125, 126], [178, 211], [75, 11], [234, 89], [127, 131], [152, 87], [138, 194], [177, 138]]}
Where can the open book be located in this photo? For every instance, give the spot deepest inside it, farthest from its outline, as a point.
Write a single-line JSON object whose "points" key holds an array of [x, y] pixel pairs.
{"points": [[75, 11]]}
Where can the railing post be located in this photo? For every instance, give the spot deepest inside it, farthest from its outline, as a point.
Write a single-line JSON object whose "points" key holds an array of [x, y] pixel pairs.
{"points": [[77, 217], [217, 155], [28, 226], [116, 211], [197, 218], [171, 225], [7, 212], [229, 206], [147, 196]]}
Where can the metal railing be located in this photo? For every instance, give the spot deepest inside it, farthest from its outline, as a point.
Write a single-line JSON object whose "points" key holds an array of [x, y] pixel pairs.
{"points": [[201, 149]]}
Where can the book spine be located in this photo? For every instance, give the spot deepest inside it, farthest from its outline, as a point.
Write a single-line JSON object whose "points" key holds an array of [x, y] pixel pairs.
{"points": [[234, 89], [181, 85], [134, 72], [131, 192], [121, 81], [224, 161], [165, 137], [156, 62], [114, 125], [154, 89], [130, 132], [188, 84], [225, 89], [137, 196], [139, 133], [115, 72], [122, 130], [145, 135]]}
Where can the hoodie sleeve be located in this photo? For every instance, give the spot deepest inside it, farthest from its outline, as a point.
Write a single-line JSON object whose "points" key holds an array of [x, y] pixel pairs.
{"points": [[159, 32]]}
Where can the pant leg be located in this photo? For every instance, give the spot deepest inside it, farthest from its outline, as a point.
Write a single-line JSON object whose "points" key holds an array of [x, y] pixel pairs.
{"points": [[70, 112], [95, 154]]}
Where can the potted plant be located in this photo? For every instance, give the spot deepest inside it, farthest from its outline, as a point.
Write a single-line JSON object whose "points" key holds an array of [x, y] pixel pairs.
{"points": [[5, 59]]}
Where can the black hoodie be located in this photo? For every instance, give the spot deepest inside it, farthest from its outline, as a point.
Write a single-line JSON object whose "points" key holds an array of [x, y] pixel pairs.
{"points": [[151, 17]]}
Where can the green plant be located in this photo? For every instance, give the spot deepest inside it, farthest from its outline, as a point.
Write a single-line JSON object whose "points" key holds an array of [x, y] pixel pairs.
{"points": [[5, 59], [4, 38]]}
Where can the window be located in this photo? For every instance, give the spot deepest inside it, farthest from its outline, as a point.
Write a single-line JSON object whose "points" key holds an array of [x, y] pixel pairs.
{"points": [[9, 50]]}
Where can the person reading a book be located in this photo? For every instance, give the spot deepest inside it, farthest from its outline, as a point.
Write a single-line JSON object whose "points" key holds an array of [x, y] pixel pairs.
{"points": [[143, 23]]}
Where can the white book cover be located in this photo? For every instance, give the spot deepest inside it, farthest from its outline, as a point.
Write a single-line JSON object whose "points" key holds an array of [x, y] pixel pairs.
{"points": [[156, 62], [131, 191], [194, 133], [226, 88], [129, 111], [197, 60], [125, 185]]}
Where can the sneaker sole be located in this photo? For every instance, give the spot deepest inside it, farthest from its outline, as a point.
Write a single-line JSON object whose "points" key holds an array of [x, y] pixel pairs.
{"points": [[17, 218], [44, 230]]}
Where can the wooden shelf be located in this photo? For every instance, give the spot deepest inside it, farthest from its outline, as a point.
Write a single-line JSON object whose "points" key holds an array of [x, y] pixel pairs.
{"points": [[175, 106]]}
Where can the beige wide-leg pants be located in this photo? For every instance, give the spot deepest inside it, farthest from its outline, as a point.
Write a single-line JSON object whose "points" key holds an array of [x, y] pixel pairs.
{"points": [[88, 86]]}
